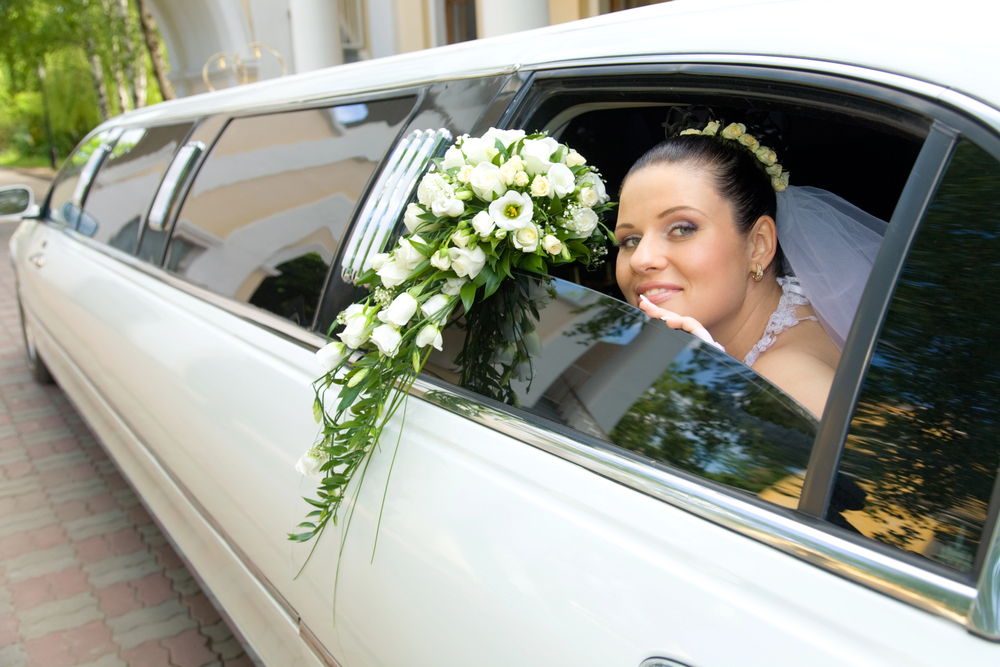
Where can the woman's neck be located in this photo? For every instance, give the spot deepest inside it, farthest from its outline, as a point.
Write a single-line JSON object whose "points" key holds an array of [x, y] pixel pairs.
{"points": [[748, 326]]}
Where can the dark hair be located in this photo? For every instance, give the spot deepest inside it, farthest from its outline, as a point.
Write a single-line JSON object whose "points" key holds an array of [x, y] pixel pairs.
{"points": [[739, 177]]}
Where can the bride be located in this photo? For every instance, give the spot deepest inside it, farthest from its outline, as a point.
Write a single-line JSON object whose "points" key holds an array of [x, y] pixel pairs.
{"points": [[702, 239]]}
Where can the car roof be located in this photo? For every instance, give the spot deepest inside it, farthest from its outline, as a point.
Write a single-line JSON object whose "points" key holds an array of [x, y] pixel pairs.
{"points": [[951, 46]]}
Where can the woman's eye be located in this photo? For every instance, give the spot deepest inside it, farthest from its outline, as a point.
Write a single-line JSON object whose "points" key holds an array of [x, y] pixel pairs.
{"points": [[629, 242], [682, 229]]}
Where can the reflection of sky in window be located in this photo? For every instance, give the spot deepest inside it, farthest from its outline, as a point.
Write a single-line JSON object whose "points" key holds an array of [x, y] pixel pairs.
{"points": [[350, 113]]}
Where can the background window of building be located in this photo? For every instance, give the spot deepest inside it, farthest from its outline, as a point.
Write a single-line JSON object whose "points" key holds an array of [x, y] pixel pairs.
{"points": [[619, 5], [461, 18]]}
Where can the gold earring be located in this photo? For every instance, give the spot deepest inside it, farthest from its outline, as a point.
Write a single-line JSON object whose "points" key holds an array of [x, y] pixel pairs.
{"points": [[757, 275]]}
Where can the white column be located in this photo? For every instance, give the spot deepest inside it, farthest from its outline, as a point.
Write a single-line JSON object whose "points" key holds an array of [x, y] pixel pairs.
{"points": [[499, 17], [315, 34]]}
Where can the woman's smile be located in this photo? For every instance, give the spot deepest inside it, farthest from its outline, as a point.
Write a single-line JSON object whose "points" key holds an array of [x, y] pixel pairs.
{"points": [[657, 292]]}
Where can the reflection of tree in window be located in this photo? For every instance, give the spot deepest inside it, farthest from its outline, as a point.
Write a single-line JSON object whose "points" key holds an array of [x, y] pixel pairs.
{"points": [[719, 421], [294, 292], [925, 442]]}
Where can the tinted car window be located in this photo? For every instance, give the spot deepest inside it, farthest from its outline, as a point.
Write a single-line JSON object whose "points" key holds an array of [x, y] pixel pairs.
{"points": [[606, 370], [267, 212], [69, 188], [924, 444], [120, 195]]}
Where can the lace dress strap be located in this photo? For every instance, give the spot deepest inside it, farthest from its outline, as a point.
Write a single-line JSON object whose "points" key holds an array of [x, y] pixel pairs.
{"points": [[782, 319]]}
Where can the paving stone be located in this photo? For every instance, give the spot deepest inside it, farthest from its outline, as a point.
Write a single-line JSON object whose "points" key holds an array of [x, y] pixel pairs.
{"points": [[189, 649], [45, 435], [151, 535], [25, 521], [109, 660], [18, 487], [13, 456], [34, 414], [183, 582], [63, 460], [59, 615], [71, 647], [98, 524], [230, 648], [117, 599], [114, 570], [125, 498], [13, 656], [160, 622], [147, 654], [38, 563], [77, 490], [7, 430]]}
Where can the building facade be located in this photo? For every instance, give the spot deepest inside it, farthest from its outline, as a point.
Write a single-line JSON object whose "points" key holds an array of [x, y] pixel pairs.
{"points": [[220, 43]]}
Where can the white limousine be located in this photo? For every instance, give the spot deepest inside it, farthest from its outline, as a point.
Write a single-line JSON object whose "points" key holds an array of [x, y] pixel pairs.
{"points": [[648, 500]]}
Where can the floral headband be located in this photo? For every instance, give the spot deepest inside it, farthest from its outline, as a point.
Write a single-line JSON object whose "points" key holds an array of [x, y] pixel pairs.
{"points": [[738, 132]]}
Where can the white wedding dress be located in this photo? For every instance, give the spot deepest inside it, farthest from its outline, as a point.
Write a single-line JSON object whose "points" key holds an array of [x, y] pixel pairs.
{"points": [[781, 319]]}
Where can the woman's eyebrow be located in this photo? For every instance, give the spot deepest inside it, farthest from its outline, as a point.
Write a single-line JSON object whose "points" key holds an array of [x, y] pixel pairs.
{"points": [[674, 209]]}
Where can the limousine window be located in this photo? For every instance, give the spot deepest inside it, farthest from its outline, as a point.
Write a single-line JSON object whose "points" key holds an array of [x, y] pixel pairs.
{"points": [[924, 444], [71, 184], [268, 209], [123, 189], [606, 370]]}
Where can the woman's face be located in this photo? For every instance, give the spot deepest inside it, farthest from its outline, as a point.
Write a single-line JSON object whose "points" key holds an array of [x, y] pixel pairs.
{"points": [[679, 245]]}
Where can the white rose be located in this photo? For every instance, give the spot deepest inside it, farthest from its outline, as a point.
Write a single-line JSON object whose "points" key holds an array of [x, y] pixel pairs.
{"points": [[537, 153], [461, 238], [521, 179], [516, 163], [392, 273], [483, 224], [711, 129], [574, 159], [734, 130], [540, 187], [532, 344], [309, 464], [749, 141], [588, 197], [478, 150], [440, 260], [506, 137], [465, 173], [526, 239], [508, 173], [582, 222], [436, 308], [355, 333], [467, 262], [376, 261], [453, 158], [412, 217], [330, 355], [447, 207], [592, 180], [523, 371], [453, 286], [432, 187], [430, 334], [561, 179], [512, 211], [400, 311], [486, 181], [387, 339], [406, 254], [552, 245]]}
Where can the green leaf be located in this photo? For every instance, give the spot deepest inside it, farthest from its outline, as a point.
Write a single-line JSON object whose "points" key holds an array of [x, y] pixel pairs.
{"points": [[301, 537], [416, 361], [468, 295], [556, 207], [348, 396]]}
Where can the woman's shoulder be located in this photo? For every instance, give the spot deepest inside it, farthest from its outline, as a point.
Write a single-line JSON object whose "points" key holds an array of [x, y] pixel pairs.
{"points": [[802, 362]]}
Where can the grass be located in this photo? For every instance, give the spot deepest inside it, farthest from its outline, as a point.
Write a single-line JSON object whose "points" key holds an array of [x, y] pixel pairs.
{"points": [[11, 158]]}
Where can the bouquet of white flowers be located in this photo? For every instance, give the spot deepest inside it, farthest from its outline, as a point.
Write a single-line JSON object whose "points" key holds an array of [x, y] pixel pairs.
{"points": [[491, 205]]}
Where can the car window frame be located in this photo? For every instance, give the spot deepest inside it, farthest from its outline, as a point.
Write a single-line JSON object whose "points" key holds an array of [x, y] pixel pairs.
{"points": [[800, 533]]}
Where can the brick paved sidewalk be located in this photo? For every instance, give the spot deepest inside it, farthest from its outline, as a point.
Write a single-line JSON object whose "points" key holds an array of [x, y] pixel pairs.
{"points": [[86, 578]]}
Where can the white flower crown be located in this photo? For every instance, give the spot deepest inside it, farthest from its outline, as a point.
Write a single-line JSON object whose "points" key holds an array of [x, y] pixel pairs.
{"points": [[738, 132]]}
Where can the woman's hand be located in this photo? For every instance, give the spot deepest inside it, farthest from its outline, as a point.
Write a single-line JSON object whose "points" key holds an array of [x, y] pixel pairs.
{"points": [[675, 321]]}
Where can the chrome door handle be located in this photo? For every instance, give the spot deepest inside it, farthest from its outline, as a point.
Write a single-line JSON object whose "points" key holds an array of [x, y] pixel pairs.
{"points": [[38, 259]]}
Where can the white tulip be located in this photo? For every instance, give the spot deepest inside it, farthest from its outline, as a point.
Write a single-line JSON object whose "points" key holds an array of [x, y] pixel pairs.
{"points": [[387, 339], [537, 154], [436, 308], [430, 334], [407, 255], [376, 261], [440, 260], [400, 311], [504, 355], [330, 355], [532, 344], [447, 207], [478, 151], [309, 464], [453, 286], [506, 137], [412, 217], [393, 273], [357, 320]]}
